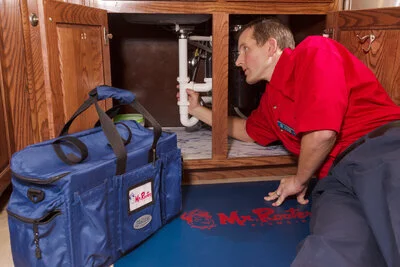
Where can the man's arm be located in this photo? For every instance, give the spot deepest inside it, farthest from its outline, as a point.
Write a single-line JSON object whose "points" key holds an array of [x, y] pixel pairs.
{"points": [[315, 147], [236, 126], [237, 129]]}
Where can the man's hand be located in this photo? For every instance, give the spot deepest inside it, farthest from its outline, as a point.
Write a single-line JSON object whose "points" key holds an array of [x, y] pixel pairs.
{"points": [[288, 186], [315, 147], [193, 99]]}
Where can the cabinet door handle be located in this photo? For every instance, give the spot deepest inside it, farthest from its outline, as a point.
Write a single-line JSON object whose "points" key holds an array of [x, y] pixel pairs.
{"points": [[33, 19], [362, 40]]}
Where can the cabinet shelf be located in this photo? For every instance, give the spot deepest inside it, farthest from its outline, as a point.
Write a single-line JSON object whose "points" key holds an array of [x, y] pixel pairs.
{"points": [[197, 145]]}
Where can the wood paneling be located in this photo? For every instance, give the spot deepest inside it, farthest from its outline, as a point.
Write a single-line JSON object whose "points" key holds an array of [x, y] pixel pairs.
{"points": [[13, 64], [387, 18], [34, 71], [293, 2], [14, 99], [220, 86], [383, 57], [78, 60], [239, 162], [273, 7], [5, 138], [79, 74], [224, 175]]}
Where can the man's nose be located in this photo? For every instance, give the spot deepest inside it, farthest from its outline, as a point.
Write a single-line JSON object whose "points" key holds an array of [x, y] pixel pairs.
{"points": [[238, 61]]}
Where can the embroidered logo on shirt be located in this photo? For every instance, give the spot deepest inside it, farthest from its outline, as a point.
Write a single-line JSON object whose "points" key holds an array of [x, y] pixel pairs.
{"points": [[286, 128]]}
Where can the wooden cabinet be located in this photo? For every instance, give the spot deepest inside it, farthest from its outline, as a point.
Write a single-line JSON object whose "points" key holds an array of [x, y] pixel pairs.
{"points": [[5, 138], [70, 56], [219, 166], [46, 71], [373, 36], [77, 61], [6, 129], [66, 55]]}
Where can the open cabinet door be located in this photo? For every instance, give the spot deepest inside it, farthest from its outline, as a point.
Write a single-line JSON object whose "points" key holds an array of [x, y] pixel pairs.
{"points": [[6, 141], [372, 35], [78, 60]]}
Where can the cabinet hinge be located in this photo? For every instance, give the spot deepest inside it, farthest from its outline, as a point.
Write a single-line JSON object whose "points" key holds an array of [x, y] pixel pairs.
{"points": [[107, 36], [329, 33]]}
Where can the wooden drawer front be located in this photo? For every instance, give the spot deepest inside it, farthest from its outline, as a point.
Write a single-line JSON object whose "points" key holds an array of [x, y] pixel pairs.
{"points": [[382, 54], [171, 0], [287, 1]]}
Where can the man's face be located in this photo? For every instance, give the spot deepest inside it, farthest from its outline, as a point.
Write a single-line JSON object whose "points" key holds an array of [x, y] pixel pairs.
{"points": [[253, 59]]}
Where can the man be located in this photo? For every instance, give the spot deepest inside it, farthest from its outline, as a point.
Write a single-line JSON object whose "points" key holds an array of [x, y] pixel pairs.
{"points": [[319, 100]]}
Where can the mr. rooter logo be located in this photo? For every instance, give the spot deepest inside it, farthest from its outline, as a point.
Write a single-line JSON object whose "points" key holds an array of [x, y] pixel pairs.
{"points": [[204, 220]]}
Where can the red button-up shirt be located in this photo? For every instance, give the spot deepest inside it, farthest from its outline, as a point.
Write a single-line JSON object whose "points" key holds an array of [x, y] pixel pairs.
{"points": [[320, 85]]}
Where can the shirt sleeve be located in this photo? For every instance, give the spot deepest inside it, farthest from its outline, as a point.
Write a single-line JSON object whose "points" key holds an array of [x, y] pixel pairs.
{"points": [[258, 126], [321, 95]]}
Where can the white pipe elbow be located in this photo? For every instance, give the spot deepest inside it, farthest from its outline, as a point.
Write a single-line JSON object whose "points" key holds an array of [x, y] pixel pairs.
{"points": [[200, 38], [184, 116], [203, 87], [184, 103]]}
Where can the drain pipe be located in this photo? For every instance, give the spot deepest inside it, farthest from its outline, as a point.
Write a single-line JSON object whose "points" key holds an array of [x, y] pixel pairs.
{"points": [[184, 83]]}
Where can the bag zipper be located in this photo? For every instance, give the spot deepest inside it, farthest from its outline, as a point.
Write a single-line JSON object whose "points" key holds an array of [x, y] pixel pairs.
{"points": [[36, 222], [40, 181]]}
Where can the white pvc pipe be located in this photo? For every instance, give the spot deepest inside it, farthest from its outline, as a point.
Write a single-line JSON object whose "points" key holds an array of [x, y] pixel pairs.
{"points": [[203, 87], [200, 38], [183, 80]]}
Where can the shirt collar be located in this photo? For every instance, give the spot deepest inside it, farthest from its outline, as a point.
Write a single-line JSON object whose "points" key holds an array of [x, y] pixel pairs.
{"points": [[282, 69]]}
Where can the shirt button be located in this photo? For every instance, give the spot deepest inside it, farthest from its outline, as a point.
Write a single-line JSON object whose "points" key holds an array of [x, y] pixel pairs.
{"points": [[274, 107], [281, 130]]}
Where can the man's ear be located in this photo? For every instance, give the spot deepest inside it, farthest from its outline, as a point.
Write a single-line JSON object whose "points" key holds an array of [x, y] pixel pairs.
{"points": [[272, 46]]}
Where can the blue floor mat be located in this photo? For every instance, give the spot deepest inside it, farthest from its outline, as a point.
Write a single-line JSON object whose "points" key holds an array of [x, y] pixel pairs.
{"points": [[226, 225]]}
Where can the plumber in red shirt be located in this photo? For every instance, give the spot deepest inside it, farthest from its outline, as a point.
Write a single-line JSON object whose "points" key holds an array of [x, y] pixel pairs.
{"points": [[319, 100]]}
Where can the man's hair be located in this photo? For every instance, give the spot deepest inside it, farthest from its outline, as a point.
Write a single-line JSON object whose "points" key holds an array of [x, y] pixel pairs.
{"points": [[270, 28]]}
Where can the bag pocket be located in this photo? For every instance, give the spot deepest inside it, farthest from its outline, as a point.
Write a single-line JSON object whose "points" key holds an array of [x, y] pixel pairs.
{"points": [[39, 241], [90, 221], [139, 208], [171, 179]]}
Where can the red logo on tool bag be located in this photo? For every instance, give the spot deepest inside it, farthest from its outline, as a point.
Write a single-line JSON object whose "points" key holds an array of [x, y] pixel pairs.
{"points": [[140, 196], [199, 219], [258, 217]]}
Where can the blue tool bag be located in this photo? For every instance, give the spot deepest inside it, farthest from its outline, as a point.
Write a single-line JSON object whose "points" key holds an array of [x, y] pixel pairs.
{"points": [[86, 199]]}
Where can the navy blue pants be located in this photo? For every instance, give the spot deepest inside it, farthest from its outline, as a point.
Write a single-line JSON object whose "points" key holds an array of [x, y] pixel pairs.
{"points": [[356, 209]]}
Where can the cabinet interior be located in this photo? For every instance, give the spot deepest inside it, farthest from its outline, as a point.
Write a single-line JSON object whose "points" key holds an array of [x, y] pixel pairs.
{"points": [[144, 59]]}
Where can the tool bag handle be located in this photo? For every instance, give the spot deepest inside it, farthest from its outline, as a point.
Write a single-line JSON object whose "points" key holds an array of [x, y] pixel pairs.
{"points": [[100, 93], [111, 133], [70, 158]]}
